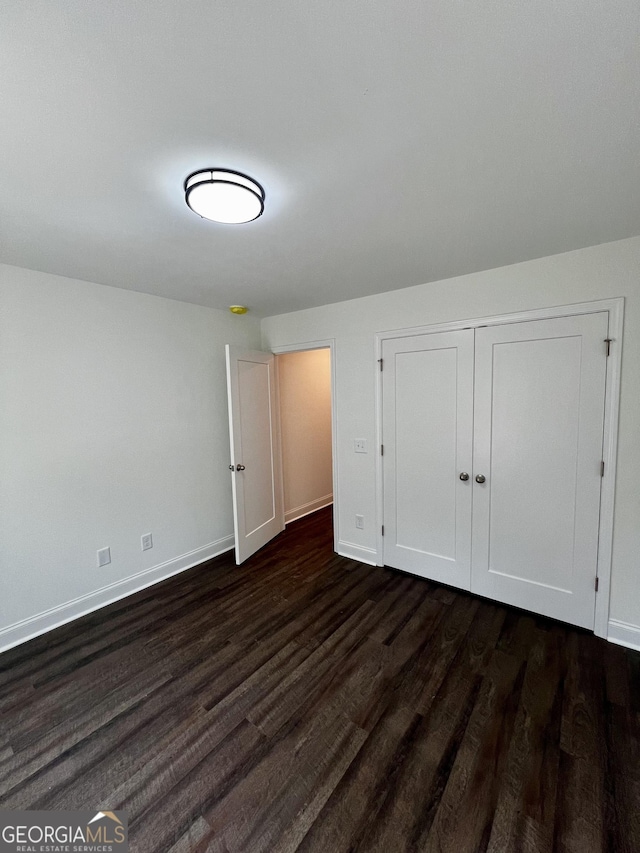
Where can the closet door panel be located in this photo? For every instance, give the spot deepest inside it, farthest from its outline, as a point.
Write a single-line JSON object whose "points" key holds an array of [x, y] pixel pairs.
{"points": [[427, 432], [539, 407]]}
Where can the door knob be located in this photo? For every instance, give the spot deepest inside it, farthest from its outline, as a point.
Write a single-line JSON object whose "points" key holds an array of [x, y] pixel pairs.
{"points": [[480, 478], [232, 467], [464, 476], [241, 468]]}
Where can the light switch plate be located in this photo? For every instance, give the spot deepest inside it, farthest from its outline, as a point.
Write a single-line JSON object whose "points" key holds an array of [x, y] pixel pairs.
{"points": [[360, 445]]}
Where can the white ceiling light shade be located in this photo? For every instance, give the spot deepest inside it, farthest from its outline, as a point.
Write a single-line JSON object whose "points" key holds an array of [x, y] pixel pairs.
{"points": [[224, 196]]}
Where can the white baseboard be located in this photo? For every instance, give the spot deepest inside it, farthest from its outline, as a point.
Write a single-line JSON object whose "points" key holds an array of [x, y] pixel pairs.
{"points": [[32, 627], [306, 509], [624, 634], [358, 552]]}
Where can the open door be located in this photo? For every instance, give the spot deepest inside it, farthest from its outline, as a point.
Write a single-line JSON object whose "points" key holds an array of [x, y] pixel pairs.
{"points": [[258, 509]]}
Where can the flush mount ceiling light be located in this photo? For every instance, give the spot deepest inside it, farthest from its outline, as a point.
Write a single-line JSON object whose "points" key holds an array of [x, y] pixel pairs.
{"points": [[224, 196]]}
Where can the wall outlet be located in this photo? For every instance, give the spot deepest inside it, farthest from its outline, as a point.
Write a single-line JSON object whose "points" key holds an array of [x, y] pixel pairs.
{"points": [[360, 522], [360, 445], [146, 541], [104, 557]]}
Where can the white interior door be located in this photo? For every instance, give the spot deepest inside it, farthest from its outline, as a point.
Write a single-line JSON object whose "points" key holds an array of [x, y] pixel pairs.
{"points": [[427, 401], [539, 407], [258, 512]]}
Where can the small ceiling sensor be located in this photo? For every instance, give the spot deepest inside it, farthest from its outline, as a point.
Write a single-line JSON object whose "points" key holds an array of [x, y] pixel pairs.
{"points": [[238, 309], [224, 196]]}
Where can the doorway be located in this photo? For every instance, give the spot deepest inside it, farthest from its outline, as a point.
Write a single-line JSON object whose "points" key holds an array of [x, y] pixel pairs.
{"points": [[255, 439], [329, 346], [304, 396]]}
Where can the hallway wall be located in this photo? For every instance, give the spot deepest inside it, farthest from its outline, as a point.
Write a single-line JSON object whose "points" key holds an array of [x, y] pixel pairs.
{"points": [[305, 421]]}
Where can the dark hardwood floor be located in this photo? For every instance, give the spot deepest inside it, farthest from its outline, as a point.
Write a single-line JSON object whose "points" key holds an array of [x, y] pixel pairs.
{"points": [[307, 702]]}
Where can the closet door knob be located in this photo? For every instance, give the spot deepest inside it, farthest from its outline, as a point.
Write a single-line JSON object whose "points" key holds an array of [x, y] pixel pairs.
{"points": [[241, 468], [480, 478], [464, 476]]}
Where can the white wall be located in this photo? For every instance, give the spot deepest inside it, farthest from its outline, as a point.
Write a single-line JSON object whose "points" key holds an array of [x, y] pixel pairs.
{"points": [[113, 423], [599, 272], [304, 380]]}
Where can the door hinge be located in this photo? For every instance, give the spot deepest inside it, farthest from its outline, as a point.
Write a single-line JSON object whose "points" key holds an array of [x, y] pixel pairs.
{"points": [[382, 450], [597, 583], [602, 468], [380, 363], [608, 343], [383, 529]]}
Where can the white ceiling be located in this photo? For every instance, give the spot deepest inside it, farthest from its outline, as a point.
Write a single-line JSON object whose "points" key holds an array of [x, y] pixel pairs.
{"points": [[398, 142]]}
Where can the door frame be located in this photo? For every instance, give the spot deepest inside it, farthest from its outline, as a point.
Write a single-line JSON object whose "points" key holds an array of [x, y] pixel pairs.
{"points": [[305, 346], [615, 309]]}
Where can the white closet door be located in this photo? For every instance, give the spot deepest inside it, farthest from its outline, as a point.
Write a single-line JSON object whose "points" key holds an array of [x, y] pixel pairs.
{"points": [[539, 407], [427, 434]]}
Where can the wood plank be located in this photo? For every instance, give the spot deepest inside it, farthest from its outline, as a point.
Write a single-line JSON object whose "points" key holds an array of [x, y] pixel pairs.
{"points": [[477, 773], [581, 783], [280, 796], [525, 809], [363, 788], [415, 787]]}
